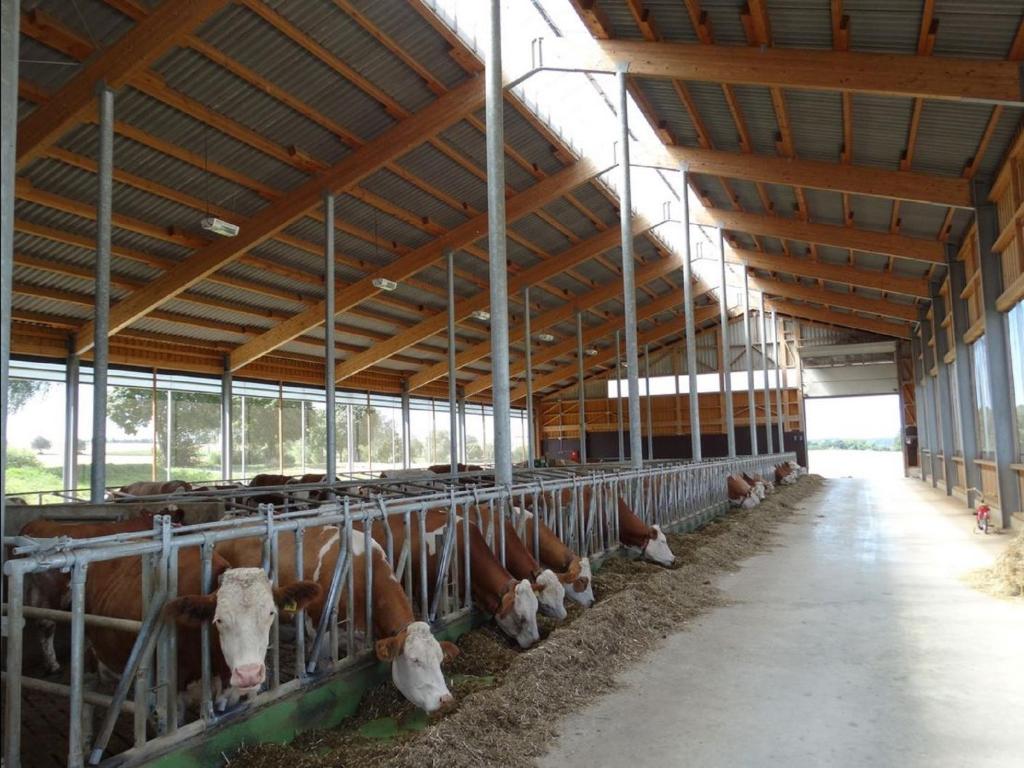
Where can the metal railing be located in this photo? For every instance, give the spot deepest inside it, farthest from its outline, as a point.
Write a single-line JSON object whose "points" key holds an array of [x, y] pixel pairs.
{"points": [[667, 493]]}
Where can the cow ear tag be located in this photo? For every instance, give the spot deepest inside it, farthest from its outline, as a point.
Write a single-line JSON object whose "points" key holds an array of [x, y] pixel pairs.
{"points": [[291, 606]]}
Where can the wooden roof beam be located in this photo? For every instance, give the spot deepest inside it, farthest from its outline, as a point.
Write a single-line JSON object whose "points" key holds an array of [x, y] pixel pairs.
{"points": [[973, 80], [882, 327], [907, 312], [140, 46]]}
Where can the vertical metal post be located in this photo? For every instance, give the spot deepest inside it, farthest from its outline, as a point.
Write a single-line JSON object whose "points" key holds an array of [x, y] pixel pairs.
{"points": [[618, 394], [962, 371], [71, 422], [726, 361], [628, 277], [462, 424], [169, 435], [650, 410], [928, 359], [581, 390], [767, 385], [226, 434], [748, 349], [331, 433], [997, 353], [104, 212], [920, 399], [10, 16], [453, 404], [528, 362], [691, 335], [498, 269], [778, 385], [945, 403], [406, 426]]}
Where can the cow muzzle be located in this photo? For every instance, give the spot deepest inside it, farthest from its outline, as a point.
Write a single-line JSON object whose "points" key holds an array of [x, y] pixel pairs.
{"points": [[248, 676]]}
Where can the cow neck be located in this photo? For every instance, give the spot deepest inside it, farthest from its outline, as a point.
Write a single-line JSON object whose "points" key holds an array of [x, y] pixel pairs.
{"points": [[392, 612]]}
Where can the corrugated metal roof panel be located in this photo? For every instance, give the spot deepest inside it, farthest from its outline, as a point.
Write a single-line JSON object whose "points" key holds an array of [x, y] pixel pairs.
{"points": [[880, 125], [1003, 135], [710, 102], [529, 142], [50, 307], [948, 135], [725, 21], [397, 190], [541, 234], [427, 162], [825, 207], [816, 122], [94, 20], [670, 108], [373, 220], [883, 27], [981, 28], [42, 66], [873, 212], [921, 220], [800, 23], [570, 216], [188, 332], [759, 116]]}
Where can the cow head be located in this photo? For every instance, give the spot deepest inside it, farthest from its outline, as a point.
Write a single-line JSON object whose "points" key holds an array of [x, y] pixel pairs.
{"points": [[517, 614], [416, 657], [550, 595], [580, 583], [242, 611], [656, 549], [750, 501]]}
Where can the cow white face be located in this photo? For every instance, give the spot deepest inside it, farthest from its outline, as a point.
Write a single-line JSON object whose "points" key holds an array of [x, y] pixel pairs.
{"points": [[657, 549], [551, 595], [750, 501], [517, 614], [416, 657], [242, 611], [582, 589]]}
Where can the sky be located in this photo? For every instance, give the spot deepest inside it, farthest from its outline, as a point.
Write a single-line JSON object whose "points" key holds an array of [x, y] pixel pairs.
{"points": [[853, 417]]}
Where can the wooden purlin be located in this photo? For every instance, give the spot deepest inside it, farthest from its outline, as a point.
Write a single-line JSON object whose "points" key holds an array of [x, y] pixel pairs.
{"points": [[843, 319], [882, 307]]}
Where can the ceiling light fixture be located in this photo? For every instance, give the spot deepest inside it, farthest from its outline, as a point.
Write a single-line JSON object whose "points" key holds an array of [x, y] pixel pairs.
{"points": [[480, 314], [590, 351], [383, 284], [546, 337], [219, 226]]}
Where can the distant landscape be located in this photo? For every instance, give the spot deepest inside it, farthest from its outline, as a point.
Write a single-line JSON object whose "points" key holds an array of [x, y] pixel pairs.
{"points": [[855, 444]]}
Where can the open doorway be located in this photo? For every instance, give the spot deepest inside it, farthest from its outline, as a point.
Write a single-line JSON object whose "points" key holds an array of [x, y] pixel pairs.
{"points": [[854, 436]]}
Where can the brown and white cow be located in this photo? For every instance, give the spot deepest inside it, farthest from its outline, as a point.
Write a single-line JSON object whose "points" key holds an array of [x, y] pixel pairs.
{"points": [[761, 486], [521, 564], [149, 488], [740, 493], [51, 589], [572, 570], [494, 590], [784, 474], [414, 652], [312, 494], [446, 469]]}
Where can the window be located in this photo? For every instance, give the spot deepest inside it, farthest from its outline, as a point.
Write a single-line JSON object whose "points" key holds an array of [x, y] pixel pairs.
{"points": [[985, 416], [954, 399], [1015, 332]]}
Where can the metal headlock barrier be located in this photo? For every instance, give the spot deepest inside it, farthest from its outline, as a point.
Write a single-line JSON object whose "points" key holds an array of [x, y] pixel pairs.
{"points": [[670, 494]]}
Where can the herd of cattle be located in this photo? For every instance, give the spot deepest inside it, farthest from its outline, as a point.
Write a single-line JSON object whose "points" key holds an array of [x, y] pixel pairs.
{"points": [[242, 609]]}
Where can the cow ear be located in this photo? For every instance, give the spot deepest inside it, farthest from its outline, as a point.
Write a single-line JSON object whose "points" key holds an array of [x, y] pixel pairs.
{"points": [[581, 584], [450, 650], [508, 602], [537, 588], [297, 595], [390, 648], [191, 610]]}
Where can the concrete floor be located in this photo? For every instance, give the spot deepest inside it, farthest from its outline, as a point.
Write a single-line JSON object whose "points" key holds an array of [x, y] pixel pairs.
{"points": [[854, 643]]}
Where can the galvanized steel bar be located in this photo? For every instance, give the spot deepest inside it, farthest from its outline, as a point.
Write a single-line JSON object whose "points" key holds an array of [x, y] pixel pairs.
{"points": [[581, 389], [226, 433], [769, 443], [650, 407], [70, 473], [330, 424], [691, 331], [726, 362], [962, 371], [15, 640], [104, 213], [618, 394], [778, 385], [628, 276], [453, 404], [76, 683], [751, 400], [496, 246], [406, 426], [528, 362]]}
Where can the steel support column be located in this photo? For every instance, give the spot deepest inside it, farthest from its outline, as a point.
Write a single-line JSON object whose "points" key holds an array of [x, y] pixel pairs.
{"points": [[726, 362], [70, 474], [749, 351], [453, 401], [778, 385], [649, 403], [531, 451], [962, 371], [921, 400], [406, 426], [226, 434], [945, 402], [934, 444], [618, 394], [691, 331], [498, 269], [628, 277], [997, 353], [329, 315], [767, 383], [462, 424], [104, 213], [581, 392]]}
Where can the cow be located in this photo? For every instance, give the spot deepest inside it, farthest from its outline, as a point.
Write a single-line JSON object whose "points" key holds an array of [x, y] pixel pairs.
{"points": [[241, 611], [148, 488], [784, 474], [51, 589], [414, 653], [572, 570], [446, 469], [277, 498], [522, 565], [312, 494], [494, 590], [797, 469], [761, 487], [740, 493]]}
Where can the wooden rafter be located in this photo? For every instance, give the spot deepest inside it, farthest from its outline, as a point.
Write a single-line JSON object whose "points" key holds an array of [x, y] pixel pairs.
{"points": [[882, 307], [842, 319]]}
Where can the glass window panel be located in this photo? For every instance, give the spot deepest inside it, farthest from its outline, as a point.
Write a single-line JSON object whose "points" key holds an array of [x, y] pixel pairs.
{"points": [[1015, 332], [293, 450], [985, 416], [35, 436], [954, 397]]}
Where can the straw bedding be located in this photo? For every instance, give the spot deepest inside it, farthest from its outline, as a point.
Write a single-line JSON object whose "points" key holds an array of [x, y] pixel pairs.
{"points": [[510, 702], [1006, 576]]}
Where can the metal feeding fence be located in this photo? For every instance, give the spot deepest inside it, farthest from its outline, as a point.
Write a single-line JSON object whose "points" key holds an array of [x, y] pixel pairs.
{"points": [[147, 691]]}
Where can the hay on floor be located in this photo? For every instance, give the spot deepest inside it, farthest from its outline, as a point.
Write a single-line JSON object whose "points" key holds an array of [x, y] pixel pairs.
{"points": [[1006, 576], [510, 717]]}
